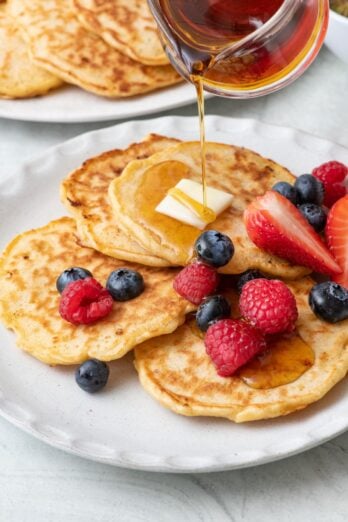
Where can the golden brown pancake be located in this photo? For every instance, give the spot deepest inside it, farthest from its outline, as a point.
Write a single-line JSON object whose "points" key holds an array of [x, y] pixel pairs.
{"points": [[85, 194], [19, 76], [176, 371], [126, 25], [59, 44], [241, 172], [29, 300]]}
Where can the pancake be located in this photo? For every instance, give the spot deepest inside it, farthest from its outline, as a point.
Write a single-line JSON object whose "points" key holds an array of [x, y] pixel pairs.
{"points": [[176, 371], [239, 171], [19, 76], [29, 300], [126, 25], [59, 44], [85, 194]]}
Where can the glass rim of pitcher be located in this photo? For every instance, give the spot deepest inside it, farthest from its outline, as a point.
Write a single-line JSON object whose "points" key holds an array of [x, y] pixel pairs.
{"points": [[283, 12]]}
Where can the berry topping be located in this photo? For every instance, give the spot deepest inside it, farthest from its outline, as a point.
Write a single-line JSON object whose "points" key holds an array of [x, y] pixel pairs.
{"points": [[195, 282], [332, 175], [231, 344], [288, 191], [309, 189], [214, 248], [269, 305], [69, 275], [92, 375], [247, 276], [315, 215], [337, 237], [277, 226], [211, 310], [85, 301], [125, 284], [329, 301]]}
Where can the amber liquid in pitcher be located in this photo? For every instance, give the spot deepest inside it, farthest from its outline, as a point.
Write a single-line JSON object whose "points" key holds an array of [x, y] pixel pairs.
{"points": [[199, 30]]}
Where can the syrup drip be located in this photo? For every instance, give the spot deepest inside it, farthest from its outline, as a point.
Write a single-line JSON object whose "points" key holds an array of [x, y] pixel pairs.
{"points": [[156, 183], [200, 101], [286, 359], [206, 214], [195, 330], [199, 30]]}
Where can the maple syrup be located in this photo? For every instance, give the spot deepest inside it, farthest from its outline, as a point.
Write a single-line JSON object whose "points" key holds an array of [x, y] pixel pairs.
{"points": [[200, 102], [201, 33], [284, 361], [164, 176], [202, 211], [286, 358], [194, 328], [207, 41]]}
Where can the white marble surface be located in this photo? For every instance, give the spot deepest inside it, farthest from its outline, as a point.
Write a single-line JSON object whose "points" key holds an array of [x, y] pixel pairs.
{"points": [[38, 483]]}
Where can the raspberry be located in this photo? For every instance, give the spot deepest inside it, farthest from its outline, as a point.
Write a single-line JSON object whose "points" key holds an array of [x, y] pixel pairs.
{"points": [[195, 282], [232, 343], [332, 174], [85, 301], [269, 305]]}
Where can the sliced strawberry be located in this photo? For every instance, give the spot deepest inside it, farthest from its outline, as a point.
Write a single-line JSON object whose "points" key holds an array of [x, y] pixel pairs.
{"points": [[274, 224], [337, 238]]}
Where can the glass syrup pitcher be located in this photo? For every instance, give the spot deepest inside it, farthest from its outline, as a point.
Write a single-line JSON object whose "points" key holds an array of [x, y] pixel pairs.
{"points": [[241, 48]]}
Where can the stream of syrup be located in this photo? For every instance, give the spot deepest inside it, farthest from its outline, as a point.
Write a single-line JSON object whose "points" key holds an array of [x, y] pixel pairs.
{"points": [[284, 361], [199, 30], [200, 102]]}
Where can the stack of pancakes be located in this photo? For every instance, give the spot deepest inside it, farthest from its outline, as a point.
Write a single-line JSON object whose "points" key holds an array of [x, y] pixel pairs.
{"points": [[107, 230], [108, 47]]}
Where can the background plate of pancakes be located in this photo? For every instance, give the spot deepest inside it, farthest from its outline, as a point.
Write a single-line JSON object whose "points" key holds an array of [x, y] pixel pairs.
{"points": [[123, 425], [70, 104], [81, 60]]}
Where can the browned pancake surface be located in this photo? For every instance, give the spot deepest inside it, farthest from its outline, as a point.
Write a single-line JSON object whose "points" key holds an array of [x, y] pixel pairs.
{"points": [[19, 76], [85, 194], [29, 300], [176, 371], [59, 44], [241, 172], [126, 25]]}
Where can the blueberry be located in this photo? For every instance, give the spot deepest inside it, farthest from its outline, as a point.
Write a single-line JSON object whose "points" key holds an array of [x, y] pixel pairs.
{"points": [[211, 310], [315, 215], [69, 275], [214, 248], [92, 375], [286, 190], [329, 301], [247, 276], [125, 284], [309, 189]]}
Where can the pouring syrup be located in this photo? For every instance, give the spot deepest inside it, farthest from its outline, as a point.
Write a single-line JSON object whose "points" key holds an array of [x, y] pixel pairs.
{"points": [[211, 43]]}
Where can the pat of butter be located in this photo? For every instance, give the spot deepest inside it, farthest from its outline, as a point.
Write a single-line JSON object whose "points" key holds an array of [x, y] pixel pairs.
{"points": [[217, 201]]}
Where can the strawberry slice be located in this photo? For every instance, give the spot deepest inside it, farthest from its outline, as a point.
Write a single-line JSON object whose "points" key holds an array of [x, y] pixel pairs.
{"points": [[337, 237], [274, 224]]}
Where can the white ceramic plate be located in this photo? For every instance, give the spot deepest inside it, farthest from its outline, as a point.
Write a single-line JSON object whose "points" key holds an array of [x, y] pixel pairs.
{"points": [[123, 425], [337, 35], [70, 105]]}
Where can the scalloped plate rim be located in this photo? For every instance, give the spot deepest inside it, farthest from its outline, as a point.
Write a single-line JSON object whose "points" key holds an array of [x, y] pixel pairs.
{"points": [[150, 461]]}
